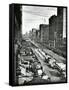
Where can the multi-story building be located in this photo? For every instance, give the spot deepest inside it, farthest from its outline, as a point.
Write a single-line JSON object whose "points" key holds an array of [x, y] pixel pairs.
{"points": [[30, 35], [52, 30], [61, 25], [44, 33], [34, 34], [56, 26], [38, 35], [18, 22]]}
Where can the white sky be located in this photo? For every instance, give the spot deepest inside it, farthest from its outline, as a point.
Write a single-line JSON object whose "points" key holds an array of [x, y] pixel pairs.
{"points": [[32, 16]]}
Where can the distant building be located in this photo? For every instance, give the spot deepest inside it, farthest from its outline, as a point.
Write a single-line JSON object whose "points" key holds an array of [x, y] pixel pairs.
{"points": [[44, 33], [34, 34], [30, 35], [38, 35]]}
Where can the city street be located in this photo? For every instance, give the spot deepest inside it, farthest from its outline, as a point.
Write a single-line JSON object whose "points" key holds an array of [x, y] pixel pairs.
{"points": [[49, 71], [55, 74]]}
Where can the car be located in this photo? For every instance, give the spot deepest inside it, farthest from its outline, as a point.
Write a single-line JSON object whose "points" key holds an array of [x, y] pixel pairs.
{"points": [[45, 77], [47, 56], [18, 71], [25, 63], [52, 62], [39, 71], [62, 66], [38, 66]]}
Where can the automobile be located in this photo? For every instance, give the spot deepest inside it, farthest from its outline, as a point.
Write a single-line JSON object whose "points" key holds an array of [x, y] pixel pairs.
{"points": [[62, 66], [45, 77], [39, 72], [52, 62], [25, 63], [25, 69], [47, 58], [63, 75], [23, 80], [18, 71], [39, 69], [38, 66]]}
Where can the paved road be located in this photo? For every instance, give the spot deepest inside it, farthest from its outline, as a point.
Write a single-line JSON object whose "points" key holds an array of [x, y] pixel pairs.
{"points": [[51, 53], [52, 73], [54, 55]]}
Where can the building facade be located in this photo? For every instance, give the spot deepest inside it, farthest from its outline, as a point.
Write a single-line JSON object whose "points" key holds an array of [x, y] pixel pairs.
{"points": [[18, 22], [56, 26], [60, 27], [34, 34], [38, 36], [52, 30], [44, 33]]}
